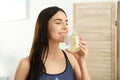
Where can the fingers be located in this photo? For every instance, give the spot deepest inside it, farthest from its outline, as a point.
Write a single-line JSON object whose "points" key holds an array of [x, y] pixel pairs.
{"points": [[83, 45], [82, 42]]}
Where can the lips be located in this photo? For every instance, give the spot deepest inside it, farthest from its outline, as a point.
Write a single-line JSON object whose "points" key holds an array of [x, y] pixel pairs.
{"points": [[63, 33]]}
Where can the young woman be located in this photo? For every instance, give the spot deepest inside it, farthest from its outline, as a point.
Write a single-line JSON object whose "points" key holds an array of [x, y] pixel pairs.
{"points": [[46, 60]]}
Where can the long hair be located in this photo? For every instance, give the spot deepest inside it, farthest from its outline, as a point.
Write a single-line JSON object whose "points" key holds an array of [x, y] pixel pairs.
{"points": [[40, 45]]}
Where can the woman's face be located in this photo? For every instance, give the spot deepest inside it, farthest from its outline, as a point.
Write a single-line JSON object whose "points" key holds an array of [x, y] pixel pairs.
{"points": [[58, 27]]}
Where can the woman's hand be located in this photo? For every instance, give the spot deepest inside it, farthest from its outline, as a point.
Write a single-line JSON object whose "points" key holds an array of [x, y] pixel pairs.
{"points": [[81, 58], [82, 53]]}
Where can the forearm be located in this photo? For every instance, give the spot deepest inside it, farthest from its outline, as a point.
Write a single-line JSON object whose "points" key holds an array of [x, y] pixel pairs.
{"points": [[84, 72]]}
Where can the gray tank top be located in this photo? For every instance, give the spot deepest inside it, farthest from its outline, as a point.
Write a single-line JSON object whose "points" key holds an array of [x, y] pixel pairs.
{"points": [[67, 74]]}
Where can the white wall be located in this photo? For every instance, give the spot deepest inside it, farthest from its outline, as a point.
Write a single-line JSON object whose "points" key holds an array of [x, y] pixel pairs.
{"points": [[16, 36]]}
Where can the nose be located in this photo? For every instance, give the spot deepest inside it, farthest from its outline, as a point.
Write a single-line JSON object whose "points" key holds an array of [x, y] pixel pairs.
{"points": [[65, 27]]}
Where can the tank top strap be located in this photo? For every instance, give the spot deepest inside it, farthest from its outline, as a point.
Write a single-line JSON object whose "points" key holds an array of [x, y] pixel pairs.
{"points": [[69, 72], [65, 55]]}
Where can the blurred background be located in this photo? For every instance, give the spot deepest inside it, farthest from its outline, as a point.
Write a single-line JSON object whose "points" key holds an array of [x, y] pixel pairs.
{"points": [[17, 23]]}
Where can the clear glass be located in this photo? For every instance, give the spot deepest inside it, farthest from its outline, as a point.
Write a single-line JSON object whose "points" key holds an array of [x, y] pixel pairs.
{"points": [[72, 41]]}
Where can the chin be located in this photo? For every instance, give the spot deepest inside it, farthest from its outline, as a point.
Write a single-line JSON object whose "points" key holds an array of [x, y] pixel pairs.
{"points": [[62, 41]]}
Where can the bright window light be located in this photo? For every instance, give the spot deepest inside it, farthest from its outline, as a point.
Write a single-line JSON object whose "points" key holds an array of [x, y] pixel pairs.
{"points": [[13, 9]]}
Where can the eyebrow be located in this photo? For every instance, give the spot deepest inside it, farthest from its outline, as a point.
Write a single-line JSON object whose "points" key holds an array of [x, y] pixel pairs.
{"points": [[61, 19]]}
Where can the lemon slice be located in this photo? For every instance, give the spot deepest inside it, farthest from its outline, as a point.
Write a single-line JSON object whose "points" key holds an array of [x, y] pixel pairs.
{"points": [[74, 44]]}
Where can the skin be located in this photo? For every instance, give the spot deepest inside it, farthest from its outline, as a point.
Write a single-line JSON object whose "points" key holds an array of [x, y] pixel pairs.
{"points": [[55, 63]]}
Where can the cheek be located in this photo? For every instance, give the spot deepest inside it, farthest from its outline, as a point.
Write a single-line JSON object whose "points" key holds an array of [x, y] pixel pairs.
{"points": [[53, 31], [53, 35]]}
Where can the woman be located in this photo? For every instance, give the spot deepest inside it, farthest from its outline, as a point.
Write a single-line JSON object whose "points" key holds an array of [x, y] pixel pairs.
{"points": [[46, 60]]}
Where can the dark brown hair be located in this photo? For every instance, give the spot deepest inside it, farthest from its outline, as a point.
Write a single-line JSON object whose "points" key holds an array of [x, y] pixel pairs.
{"points": [[40, 45]]}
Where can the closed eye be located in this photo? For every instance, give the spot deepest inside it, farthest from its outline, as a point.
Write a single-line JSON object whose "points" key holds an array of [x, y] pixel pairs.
{"points": [[59, 21]]}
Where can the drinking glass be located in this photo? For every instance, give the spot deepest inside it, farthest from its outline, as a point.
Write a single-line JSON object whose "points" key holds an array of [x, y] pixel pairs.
{"points": [[72, 41]]}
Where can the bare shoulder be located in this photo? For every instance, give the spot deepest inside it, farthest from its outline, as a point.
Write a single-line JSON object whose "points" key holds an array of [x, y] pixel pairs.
{"points": [[71, 58], [22, 69], [25, 62], [69, 55], [75, 65]]}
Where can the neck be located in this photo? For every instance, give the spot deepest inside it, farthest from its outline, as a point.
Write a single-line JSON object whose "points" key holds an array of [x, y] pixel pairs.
{"points": [[53, 48]]}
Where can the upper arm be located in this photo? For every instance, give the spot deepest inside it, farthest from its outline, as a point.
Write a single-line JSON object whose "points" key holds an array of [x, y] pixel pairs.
{"points": [[22, 70], [75, 66], [77, 70]]}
